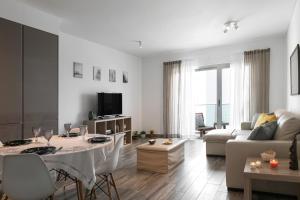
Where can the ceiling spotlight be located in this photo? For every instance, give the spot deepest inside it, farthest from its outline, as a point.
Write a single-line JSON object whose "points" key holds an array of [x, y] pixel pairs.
{"points": [[231, 25], [140, 43]]}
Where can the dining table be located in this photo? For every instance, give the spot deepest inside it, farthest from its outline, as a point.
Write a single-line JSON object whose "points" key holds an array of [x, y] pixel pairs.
{"points": [[76, 156]]}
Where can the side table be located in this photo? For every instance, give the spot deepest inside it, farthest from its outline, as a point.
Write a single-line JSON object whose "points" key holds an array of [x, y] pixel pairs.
{"points": [[281, 173]]}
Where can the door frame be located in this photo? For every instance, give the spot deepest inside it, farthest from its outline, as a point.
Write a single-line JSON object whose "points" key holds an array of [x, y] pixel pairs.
{"points": [[219, 68]]}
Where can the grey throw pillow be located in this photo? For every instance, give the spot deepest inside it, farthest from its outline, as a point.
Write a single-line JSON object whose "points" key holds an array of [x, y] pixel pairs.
{"points": [[264, 132], [255, 117]]}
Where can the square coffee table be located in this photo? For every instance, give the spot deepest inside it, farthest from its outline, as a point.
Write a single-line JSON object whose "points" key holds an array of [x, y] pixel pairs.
{"points": [[281, 173], [160, 157]]}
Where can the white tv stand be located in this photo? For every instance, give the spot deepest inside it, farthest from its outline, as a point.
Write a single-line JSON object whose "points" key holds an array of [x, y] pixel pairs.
{"points": [[117, 125]]}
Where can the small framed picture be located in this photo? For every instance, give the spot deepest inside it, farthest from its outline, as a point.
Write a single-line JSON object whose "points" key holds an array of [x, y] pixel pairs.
{"points": [[97, 74], [125, 77], [295, 71], [77, 70], [112, 75]]}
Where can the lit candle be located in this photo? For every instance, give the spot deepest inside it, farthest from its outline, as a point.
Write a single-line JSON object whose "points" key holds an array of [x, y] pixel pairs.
{"points": [[252, 165], [258, 163], [273, 163]]}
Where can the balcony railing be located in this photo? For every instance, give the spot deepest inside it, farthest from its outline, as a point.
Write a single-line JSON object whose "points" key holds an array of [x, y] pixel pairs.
{"points": [[210, 113]]}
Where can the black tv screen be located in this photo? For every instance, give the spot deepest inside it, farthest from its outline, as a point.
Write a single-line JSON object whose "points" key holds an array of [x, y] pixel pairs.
{"points": [[109, 104]]}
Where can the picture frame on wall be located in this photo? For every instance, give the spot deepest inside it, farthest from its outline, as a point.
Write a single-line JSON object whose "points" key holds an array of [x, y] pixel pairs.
{"points": [[77, 70], [112, 75], [96, 73], [125, 77], [295, 71]]}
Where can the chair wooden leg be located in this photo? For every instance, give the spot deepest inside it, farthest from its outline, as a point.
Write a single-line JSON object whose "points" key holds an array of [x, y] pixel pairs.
{"points": [[80, 189], [77, 189], [51, 197], [94, 193], [114, 185], [108, 186]]}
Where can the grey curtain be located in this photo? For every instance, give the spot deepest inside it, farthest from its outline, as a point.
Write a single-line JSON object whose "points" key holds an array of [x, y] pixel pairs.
{"points": [[257, 62], [171, 92]]}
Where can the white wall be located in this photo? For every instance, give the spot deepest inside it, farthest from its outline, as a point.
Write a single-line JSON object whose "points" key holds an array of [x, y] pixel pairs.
{"points": [[78, 96], [21, 13], [293, 38], [152, 103]]}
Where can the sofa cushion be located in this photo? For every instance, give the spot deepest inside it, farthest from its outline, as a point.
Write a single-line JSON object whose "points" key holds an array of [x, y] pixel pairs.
{"points": [[241, 137], [265, 118], [219, 135], [281, 112], [288, 126], [264, 132]]}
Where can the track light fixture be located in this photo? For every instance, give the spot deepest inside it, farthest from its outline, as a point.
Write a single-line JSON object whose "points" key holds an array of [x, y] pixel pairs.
{"points": [[231, 25], [140, 43]]}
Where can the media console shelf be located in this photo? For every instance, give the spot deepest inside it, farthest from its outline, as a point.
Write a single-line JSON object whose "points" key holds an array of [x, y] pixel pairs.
{"points": [[111, 126]]}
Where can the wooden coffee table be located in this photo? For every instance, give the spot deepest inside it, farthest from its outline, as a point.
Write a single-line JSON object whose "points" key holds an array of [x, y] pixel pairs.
{"points": [[282, 173], [160, 157]]}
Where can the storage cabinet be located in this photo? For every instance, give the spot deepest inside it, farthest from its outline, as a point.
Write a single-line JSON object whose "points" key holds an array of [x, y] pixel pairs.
{"points": [[10, 132], [40, 80], [10, 80], [28, 80], [115, 125]]}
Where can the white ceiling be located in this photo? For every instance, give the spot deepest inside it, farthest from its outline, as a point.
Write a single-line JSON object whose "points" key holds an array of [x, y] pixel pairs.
{"points": [[168, 25]]}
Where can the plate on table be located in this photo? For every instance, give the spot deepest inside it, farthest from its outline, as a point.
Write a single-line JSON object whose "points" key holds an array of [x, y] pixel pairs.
{"points": [[40, 150], [73, 134], [17, 142], [99, 139]]}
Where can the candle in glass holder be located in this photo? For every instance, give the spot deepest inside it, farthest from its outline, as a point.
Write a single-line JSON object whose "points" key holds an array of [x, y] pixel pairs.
{"points": [[258, 163], [252, 165], [273, 163]]}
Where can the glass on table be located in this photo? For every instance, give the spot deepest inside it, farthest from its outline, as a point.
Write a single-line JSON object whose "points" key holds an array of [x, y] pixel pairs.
{"points": [[36, 132], [83, 131], [67, 127], [48, 135]]}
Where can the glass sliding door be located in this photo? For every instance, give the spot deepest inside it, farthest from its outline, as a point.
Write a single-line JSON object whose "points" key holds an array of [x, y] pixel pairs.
{"points": [[226, 84], [205, 95], [211, 86]]}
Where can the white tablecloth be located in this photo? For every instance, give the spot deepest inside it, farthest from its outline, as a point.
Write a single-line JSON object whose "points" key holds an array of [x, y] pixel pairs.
{"points": [[78, 157]]}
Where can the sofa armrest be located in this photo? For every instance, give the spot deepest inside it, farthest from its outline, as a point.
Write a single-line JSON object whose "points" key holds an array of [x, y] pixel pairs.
{"points": [[246, 125], [237, 151]]}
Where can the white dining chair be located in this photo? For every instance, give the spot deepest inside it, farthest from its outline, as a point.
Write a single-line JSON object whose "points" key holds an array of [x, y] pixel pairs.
{"points": [[105, 169], [26, 177]]}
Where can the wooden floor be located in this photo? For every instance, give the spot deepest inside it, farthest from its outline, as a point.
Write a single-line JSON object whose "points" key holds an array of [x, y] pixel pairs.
{"points": [[197, 178]]}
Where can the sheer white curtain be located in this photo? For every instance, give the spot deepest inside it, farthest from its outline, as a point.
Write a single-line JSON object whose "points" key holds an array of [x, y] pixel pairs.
{"points": [[178, 113], [238, 84], [187, 115]]}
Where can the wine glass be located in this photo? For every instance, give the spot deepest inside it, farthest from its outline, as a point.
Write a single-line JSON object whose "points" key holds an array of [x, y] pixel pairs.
{"points": [[67, 128], [36, 132], [48, 135], [83, 131]]}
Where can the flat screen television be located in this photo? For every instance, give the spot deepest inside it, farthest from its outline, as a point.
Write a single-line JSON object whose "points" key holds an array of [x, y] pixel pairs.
{"points": [[109, 104]]}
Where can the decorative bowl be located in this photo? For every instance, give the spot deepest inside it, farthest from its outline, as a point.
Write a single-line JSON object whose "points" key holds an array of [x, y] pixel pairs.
{"points": [[268, 155], [152, 141], [168, 142]]}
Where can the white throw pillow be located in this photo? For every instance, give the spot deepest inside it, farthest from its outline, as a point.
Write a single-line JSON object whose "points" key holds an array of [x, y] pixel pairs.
{"points": [[288, 127]]}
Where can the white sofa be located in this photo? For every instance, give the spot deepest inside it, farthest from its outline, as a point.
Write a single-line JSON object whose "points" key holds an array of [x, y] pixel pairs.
{"points": [[239, 149]]}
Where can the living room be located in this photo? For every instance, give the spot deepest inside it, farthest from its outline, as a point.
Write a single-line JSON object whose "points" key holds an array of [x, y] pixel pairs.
{"points": [[189, 77]]}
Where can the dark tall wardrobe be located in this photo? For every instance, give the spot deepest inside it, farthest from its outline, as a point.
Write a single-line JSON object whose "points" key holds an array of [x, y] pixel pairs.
{"points": [[28, 80]]}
